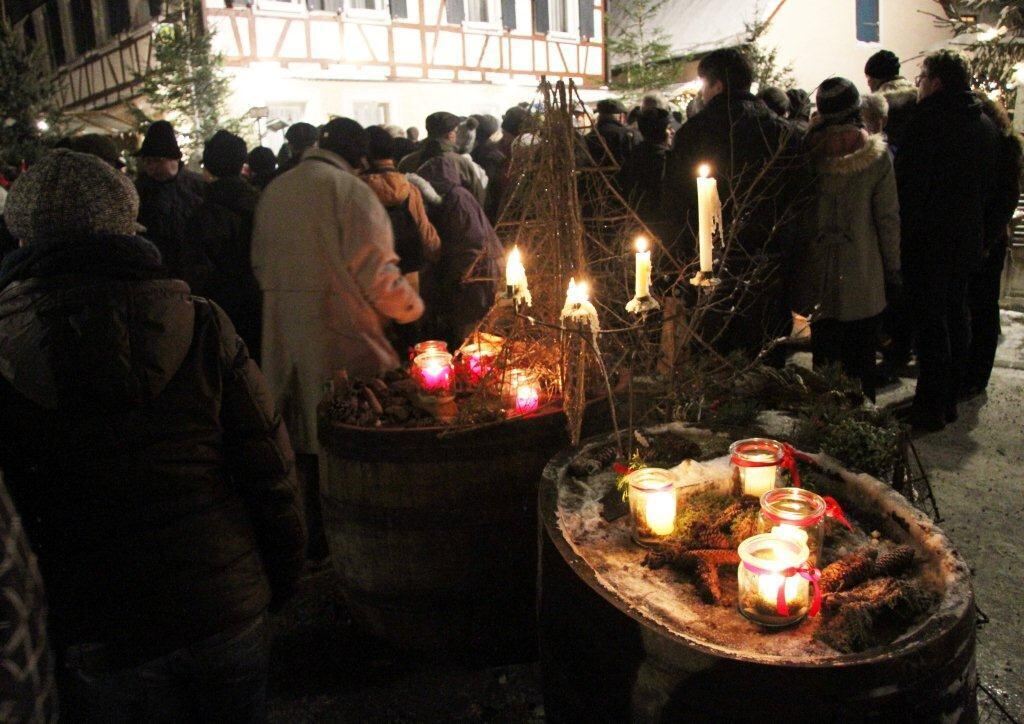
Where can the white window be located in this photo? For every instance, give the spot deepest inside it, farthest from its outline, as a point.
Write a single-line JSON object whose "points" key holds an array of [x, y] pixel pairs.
{"points": [[563, 16], [291, 6], [367, 8], [478, 11], [371, 113]]}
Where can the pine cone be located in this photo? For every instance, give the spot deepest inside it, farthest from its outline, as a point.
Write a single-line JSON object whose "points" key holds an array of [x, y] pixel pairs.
{"points": [[704, 565], [703, 536], [848, 571], [894, 561], [605, 456]]}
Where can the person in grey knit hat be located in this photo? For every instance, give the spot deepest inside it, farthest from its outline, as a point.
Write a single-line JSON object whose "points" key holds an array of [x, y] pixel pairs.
{"points": [[67, 192], [141, 448]]}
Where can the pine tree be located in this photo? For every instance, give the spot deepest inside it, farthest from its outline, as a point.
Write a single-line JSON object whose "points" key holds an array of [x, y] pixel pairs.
{"points": [[187, 83], [636, 37], [768, 70], [28, 96], [996, 45]]}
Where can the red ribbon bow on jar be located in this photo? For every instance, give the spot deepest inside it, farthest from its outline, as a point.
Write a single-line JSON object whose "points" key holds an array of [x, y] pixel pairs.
{"points": [[790, 456], [833, 511], [804, 570]]}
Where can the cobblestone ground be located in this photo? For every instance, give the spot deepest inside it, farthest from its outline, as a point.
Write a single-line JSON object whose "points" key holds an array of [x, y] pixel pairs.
{"points": [[325, 670]]}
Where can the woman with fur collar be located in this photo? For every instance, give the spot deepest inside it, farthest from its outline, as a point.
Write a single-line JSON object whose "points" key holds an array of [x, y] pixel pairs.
{"points": [[853, 259]]}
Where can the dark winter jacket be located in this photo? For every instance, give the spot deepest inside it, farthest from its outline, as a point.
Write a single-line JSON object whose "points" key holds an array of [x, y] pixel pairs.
{"points": [[141, 447], [489, 156], [620, 140], [1006, 193], [469, 251], [643, 178], [165, 208], [944, 173], [755, 157], [434, 147], [217, 252]]}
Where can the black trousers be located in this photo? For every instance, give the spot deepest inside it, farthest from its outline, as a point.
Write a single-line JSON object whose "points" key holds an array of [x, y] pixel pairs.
{"points": [[983, 306], [938, 305], [851, 344]]}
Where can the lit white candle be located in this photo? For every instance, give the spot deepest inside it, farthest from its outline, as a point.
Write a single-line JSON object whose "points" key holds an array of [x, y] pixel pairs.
{"points": [[757, 481], [515, 277], [709, 215], [642, 285], [790, 532], [660, 511], [578, 308]]}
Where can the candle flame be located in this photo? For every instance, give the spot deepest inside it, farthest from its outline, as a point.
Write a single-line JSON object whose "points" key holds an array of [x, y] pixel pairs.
{"points": [[641, 243], [578, 292], [703, 170], [514, 257]]}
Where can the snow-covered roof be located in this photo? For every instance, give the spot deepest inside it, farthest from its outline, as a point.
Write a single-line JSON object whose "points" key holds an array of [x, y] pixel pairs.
{"points": [[697, 26]]}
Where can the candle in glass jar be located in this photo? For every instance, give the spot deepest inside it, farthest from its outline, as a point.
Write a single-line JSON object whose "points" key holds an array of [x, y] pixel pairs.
{"points": [[522, 392], [478, 359], [642, 285], [772, 589], [755, 463], [434, 370], [757, 481], [652, 503], [709, 215]]}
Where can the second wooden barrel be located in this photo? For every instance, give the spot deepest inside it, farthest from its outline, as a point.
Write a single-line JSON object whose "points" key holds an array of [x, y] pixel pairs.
{"points": [[435, 535]]}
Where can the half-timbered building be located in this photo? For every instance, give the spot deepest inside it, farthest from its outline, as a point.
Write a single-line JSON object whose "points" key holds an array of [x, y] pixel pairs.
{"points": [[379, 61]]}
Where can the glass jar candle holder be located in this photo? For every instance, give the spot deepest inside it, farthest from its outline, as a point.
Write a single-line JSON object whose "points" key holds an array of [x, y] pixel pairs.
{"points": [[775, 581], [428, 345], [433, 371], [521, 392], [652, 505], [755, 465], [796, 514], [478, 360]]}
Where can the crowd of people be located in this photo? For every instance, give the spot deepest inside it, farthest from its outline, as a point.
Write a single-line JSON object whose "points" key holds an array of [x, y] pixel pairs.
{"points": [[164, 343]]}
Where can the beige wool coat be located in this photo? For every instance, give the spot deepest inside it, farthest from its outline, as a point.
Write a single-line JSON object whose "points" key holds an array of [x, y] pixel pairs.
{"points": [[853, 234], [324, 257]]}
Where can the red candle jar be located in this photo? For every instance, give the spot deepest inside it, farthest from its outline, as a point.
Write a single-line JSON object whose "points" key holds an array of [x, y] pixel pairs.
{"points": [[434, 371]]}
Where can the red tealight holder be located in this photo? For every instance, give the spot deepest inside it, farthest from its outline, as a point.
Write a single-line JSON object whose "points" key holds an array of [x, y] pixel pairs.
{"points": [[433, 370]]}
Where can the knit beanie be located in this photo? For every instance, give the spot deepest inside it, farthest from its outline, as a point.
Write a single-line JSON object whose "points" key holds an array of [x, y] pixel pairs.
{"points": [[514, 119], [345, 137], [488, 125], [883, 65], [69, 194], [160, 142], [262, 160], [224, 154], [837, 100], [301, 135]]}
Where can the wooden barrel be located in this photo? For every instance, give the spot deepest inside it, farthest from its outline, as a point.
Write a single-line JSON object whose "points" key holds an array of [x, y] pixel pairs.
{"points": [[435, 535], [603, 661]]}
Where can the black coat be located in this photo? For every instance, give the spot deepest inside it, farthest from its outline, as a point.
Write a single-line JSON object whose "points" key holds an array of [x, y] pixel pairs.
{"points": [[216, 260], [165, 208], [764, 184], [620, 140], [643, 178], [489, 156], [944, 173], [754, 155], [141, 446]]}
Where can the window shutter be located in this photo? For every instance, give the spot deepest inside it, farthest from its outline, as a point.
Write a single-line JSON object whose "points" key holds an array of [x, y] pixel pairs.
{"points": [[867, 21], [455, 12], [586, 18], [508, 14], [399, 9], [541, 19]]}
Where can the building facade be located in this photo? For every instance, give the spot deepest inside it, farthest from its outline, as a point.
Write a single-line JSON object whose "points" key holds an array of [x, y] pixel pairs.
{"points": [[378, 61]]}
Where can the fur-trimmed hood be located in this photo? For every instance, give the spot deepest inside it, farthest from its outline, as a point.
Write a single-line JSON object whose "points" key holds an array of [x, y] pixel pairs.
{"points": [[873, 148], [899, 92]]}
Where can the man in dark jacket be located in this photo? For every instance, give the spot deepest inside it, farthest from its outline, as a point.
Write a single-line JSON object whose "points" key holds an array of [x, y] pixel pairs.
{"points": [[488, 155], [218, 243], [643, 173], [168, 193], [754, 156], [300, 137], [141, 448], [945, 181], [611, 132]]}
